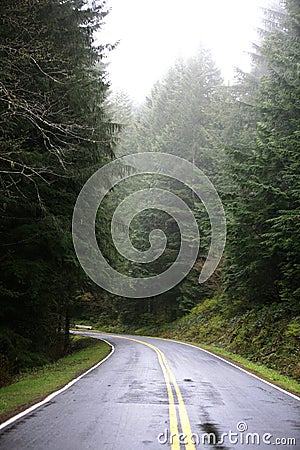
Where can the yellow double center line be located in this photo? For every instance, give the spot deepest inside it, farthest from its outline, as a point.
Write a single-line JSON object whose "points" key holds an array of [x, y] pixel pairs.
{"points": [[186, 436]]}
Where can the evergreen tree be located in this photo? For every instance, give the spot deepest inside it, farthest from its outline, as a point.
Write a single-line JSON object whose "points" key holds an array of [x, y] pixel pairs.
{"points": [[54, 135], [182, 117], [263, 250]]}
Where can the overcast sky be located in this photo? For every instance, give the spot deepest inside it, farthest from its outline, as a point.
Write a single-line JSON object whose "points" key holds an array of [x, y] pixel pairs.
{"points": [[154, 33]]}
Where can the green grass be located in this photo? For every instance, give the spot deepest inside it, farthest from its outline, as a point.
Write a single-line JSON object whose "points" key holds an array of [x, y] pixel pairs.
{"points": [[260, 370], [31, 387]]}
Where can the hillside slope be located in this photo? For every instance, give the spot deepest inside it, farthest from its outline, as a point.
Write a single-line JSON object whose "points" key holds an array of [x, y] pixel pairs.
{"points": [[269, 335]]}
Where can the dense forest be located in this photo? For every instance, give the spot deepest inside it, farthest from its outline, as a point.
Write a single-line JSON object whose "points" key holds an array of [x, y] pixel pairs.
{"points": [[60, 123], [54, 134]]}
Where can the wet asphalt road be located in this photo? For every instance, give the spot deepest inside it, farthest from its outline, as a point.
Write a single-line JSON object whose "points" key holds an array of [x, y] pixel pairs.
{"points": [[124, 404]]}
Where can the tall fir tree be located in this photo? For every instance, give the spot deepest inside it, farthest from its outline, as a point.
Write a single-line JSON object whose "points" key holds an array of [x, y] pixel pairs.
{"points": [[55, 133], [263, 246]]}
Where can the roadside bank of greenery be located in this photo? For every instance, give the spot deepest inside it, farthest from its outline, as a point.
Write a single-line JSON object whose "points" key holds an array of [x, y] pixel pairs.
{"points": [[262, 371], [32, 386], [265, 340]]}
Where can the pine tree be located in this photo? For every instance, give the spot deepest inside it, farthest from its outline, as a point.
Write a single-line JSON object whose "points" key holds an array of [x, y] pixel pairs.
{"points": [[183, 117], [265, 233], [54, 135]]}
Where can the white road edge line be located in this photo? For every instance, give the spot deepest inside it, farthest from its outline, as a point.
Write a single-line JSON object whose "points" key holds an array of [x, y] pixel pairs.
{"points": [[231, 364], [54, 394], [224, 360]]}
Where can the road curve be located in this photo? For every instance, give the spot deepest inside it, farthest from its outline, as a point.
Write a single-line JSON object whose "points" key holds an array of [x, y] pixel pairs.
{"points": [[156, 394]]}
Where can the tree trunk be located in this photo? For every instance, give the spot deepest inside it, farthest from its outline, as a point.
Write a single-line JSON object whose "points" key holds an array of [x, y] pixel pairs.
{"points": [[67, 328]]}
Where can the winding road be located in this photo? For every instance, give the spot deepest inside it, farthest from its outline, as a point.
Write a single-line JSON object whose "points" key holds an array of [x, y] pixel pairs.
{"points": [[157, 394]]}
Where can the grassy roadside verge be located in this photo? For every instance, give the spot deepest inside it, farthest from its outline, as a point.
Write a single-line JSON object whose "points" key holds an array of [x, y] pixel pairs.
{"points": [[263, 339], [32, 387], [267, 374]]}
